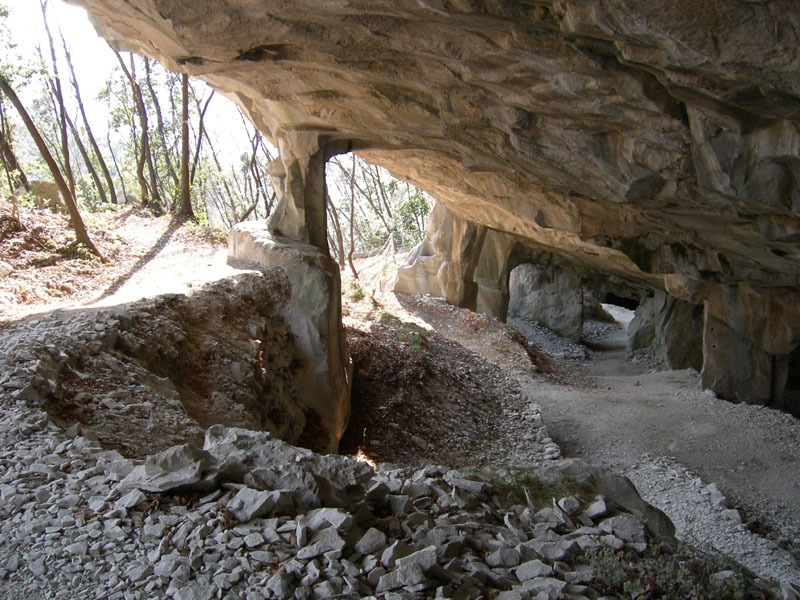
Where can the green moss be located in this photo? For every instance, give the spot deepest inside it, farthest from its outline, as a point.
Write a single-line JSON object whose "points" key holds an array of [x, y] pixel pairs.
{"points": [[541, 486], [684, 574], [408, 333]]}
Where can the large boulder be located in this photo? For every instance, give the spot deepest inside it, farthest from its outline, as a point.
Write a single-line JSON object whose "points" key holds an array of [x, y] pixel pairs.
{"points": [[444, 263], [550, 295], [672, 328]]}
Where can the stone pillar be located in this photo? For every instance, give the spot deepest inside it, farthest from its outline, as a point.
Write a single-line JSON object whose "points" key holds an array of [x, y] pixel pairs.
{"points": [[298, 177], [444, 263], [551, 295], [295, 239], [747, 330], [492, 274], [673, 327], [733, 366]]}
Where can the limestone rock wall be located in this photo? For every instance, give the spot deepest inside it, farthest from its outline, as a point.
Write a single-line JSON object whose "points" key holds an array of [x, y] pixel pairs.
{"points": [[672, 327], [444, 263], [654, 141], [550, 295]]}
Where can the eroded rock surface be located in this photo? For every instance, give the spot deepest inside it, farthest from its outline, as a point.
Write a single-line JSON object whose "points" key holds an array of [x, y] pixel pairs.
{"points": [[313, 317], [658, 142], [157, 372], [550, 295]]}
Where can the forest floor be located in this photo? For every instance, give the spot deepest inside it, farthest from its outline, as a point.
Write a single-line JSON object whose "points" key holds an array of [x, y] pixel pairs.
{"points": [[51, 271], [435, 383]]}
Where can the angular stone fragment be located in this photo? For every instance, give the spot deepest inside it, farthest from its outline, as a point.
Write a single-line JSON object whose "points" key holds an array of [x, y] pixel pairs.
{"points": [[627, 527], [176, 467], [424, 558], [551, 586], [549, 551], [249, 504], [397, 550], [371, 542], [280, 585], [78, 548], [324, 541], [131, 499], [503, 557], [596, 509], [401, 577], [531, 569], [337, 518], [194, 591]]}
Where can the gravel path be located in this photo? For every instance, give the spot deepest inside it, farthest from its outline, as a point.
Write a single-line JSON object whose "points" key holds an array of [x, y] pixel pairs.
{"points": [[673, 440]]}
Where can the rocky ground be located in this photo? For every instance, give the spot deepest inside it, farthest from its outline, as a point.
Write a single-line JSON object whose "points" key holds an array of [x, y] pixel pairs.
{"points": [[479, 503]]}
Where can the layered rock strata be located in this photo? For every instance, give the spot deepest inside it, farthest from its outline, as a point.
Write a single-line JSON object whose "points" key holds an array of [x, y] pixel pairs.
{"points": [[658, 142]]}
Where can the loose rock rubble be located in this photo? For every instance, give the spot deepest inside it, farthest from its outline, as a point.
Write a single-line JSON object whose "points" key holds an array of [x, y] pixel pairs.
{"points": [[154, 373], [546, 341], [249, 516]]}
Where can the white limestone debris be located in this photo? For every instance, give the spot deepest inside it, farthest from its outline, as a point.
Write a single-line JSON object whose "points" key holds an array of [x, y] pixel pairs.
{"points": [[444, 532]]}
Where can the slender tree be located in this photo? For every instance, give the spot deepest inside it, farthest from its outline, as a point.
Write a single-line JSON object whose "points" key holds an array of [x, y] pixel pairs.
{"points": [[112, 193], [162, 134], [186, 198], [55, 84], [87, 160], [352, 218], [81, 234], [16, 177], [144, 140], [200, 130], [337, 228]]}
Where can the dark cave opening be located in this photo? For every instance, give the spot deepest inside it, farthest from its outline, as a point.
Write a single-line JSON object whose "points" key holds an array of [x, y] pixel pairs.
{"points": [[786, 382], [629, 303]]}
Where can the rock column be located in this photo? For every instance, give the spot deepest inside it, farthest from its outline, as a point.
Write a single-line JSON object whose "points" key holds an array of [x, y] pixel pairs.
{"points": [[295, 238], [444, 263]]}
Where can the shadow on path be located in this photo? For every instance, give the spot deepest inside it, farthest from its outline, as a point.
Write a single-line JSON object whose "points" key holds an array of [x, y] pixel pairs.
{"points": [[174, 225]]}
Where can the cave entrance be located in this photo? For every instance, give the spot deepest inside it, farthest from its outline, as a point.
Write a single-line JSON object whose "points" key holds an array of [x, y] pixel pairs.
{"points": [[371, 212], [786, 382], [631, 304]]}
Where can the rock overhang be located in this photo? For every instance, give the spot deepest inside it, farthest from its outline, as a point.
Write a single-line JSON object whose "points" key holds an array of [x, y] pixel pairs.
{"points": [[658, 142], [577, 125]]}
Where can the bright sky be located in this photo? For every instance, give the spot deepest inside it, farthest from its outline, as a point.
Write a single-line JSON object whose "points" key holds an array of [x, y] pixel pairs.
{"points": [[94, 61]]}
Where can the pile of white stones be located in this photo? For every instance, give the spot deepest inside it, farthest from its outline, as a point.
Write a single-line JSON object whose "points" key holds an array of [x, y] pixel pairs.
{"points": [[268, 520]]}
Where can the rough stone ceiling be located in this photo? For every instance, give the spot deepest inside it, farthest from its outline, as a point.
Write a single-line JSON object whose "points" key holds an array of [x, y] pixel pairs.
{"points": [[644, 138]]}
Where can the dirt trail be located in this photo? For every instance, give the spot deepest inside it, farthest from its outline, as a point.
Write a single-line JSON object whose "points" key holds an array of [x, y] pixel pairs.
{"points": [[175, 269], [662, 431]]}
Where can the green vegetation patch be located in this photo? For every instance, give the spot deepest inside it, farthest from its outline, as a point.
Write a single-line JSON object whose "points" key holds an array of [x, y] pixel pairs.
{"points": [[412, 335], [659, 573]]}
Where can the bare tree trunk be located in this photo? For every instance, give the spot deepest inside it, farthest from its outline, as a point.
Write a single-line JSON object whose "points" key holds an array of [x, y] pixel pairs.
{"points": [[337, 228], [81, 234], [92, 141], [186, 198], [88, 160], [14, 173], [144, 157], [56, 85], [155, 183], [222, 175], [116, 166], [352, 218], [375, 205], [201, 128], [376, 177], [160, 123]]}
